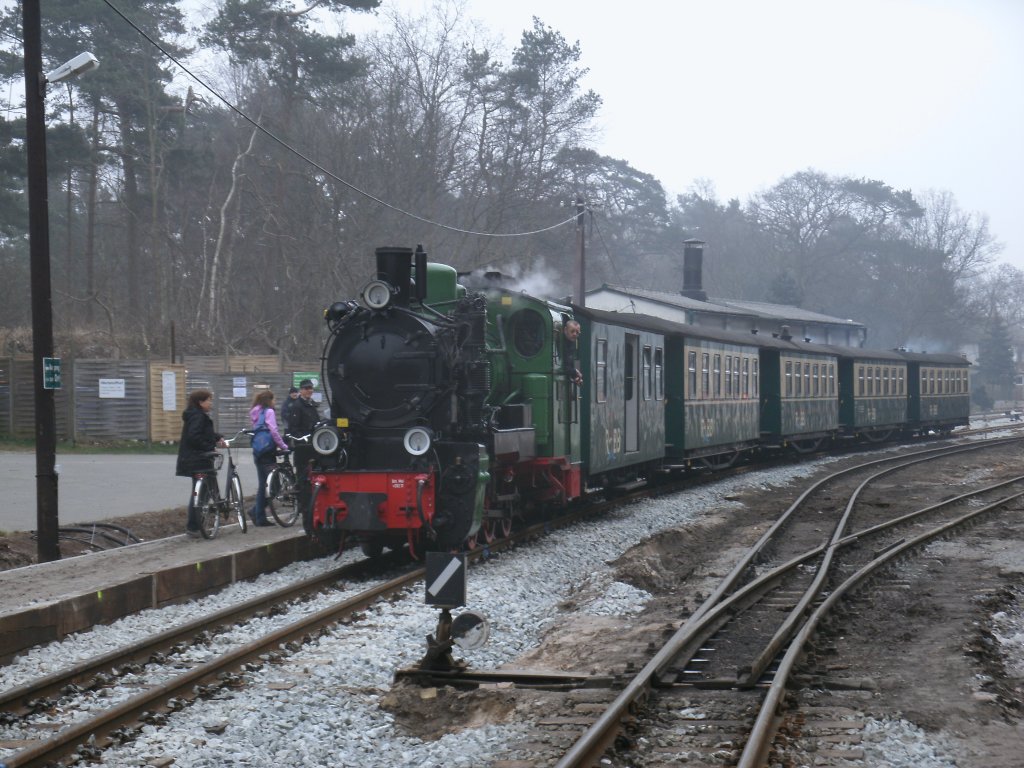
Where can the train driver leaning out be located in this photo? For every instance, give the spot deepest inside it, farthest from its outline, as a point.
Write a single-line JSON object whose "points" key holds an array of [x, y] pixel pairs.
{"points": [[571, 331]]}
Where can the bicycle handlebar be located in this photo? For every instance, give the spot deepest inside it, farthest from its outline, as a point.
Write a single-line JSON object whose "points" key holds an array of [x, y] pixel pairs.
{"points": [[238, 434]]}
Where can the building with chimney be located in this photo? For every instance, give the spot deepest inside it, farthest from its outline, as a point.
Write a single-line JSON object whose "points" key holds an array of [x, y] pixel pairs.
{"points": [[693, 306]]}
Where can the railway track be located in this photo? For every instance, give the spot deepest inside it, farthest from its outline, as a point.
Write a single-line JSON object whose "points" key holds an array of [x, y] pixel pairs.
{"points": [[716, 688], [51, 697]]}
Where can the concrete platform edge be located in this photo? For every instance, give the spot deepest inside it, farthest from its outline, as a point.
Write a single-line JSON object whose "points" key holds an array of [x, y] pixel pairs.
{"points": [[53, 621]]}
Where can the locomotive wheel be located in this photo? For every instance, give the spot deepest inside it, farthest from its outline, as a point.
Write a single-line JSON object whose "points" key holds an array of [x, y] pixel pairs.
{"points": [[414, 540], [372, 548], [495, 528], [486, 533]]}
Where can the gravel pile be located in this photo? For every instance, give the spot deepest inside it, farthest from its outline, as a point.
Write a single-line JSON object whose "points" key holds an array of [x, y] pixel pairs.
{"points": [[320, 705]]}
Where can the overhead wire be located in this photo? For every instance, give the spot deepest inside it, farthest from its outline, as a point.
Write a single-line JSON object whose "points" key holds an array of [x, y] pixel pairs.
{"points": [[274, 137]]}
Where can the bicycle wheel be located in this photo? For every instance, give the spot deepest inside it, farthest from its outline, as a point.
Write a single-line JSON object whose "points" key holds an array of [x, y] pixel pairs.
{"points": [[235, 507], [282, 497], [207, 507]]}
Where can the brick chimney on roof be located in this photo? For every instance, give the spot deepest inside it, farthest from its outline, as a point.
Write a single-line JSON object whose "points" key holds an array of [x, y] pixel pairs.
{"points": [[693, 268]]}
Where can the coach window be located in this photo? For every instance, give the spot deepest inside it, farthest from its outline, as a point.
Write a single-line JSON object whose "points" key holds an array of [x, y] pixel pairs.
{"points": [[755, 385], [705, 375], [659, 374], [601, 371], [860, 380], [728, 375], [831, 378], [717, 376], [885, 381], [746, 377], [878, 380], [789, 378], [648, 378], [815, 374], [691, 374], [900, 380]]}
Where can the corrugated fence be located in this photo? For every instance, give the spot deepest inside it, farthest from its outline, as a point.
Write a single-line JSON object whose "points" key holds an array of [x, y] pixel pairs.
{"points": [[141, 399]]}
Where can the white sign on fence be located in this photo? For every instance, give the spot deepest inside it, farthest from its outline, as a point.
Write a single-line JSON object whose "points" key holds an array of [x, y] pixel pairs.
{"points": [[112, 388], [238, 386], [170, 390]]}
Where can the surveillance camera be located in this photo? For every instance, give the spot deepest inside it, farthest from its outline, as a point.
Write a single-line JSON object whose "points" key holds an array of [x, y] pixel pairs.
{"points": [[82, 63]]}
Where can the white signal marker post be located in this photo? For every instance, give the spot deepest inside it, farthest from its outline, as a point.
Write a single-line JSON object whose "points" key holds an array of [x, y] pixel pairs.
{"points": [[445, 587], [445, 580]]}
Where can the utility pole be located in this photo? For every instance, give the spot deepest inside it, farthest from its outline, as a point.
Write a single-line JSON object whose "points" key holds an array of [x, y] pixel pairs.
{"points": [[42, 308], [46, 373], [581, 272]]}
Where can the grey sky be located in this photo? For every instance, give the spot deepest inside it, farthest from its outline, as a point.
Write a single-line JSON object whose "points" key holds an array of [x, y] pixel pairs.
{"points": [[920, 94]]}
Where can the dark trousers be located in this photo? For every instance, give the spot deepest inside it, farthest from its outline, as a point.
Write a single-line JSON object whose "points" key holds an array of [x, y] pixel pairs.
{"points": [[303, 455], [263, 469]]}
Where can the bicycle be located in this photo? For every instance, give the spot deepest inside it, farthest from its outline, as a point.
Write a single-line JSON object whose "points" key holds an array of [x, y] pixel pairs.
{"points": [[206, 498], [282, 488]]}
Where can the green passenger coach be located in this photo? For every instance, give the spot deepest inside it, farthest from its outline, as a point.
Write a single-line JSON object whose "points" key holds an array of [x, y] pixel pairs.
{"points": [[718, 375], [799, 395], [623, 414], [939, 396]]}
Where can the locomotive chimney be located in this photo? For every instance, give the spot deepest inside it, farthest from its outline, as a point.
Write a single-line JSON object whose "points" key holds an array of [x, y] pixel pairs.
{"points": [[395, 266], [693, 268]]}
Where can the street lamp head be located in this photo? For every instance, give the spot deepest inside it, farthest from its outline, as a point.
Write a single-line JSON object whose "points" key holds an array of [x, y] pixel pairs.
{"points": [[82, 63]]}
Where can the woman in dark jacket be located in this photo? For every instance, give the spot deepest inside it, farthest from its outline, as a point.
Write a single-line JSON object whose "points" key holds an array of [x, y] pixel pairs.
{"points": [[197, 438]]}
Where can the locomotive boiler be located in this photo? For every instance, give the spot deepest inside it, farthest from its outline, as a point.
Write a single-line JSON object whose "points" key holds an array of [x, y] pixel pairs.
{"points": [[402, 458]]}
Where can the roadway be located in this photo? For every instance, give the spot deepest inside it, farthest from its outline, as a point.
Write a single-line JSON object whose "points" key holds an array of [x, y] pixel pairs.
{"points": [[100, 486]]}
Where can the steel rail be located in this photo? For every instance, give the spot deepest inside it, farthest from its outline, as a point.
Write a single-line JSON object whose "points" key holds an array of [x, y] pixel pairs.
{"points": [[20, 699], [599, 736], [789, 625], [183, 685], [759, 743]]}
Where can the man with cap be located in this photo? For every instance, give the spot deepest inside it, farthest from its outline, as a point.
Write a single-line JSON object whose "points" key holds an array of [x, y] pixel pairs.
{"points": [[302, 418]]}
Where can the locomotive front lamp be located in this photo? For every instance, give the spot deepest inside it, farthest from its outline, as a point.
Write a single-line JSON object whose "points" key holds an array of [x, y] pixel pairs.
{"points": [[377, 294], [417, 441], [326, 440]]}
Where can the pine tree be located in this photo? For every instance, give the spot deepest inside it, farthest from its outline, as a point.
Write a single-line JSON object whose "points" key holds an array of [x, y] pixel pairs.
{"points": [[996, 367]]}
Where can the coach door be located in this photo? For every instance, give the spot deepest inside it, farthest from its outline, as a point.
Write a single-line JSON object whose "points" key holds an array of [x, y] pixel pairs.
{"points": [[632, 393]]}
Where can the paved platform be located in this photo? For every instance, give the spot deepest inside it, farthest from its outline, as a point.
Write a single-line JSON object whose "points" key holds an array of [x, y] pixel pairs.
{"points": [[93, 487], [44, 602]]}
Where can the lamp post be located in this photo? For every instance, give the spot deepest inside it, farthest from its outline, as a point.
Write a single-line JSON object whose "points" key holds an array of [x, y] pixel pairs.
{"points": [[39, 258]]}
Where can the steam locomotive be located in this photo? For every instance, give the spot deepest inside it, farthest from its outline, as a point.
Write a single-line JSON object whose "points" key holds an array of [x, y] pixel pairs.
{"points": [[454, 413]]}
